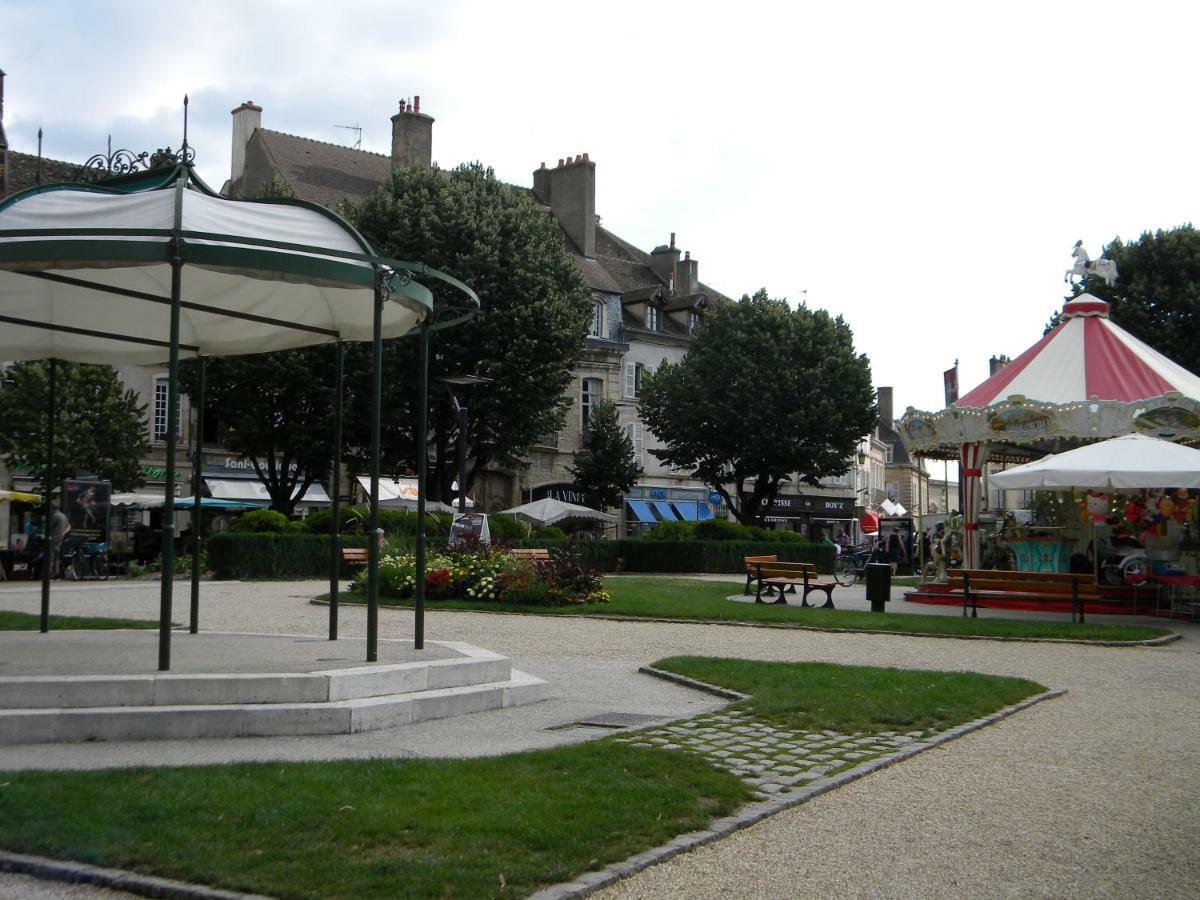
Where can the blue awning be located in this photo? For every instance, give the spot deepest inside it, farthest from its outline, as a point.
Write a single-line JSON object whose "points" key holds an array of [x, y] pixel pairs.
{"points": [[641, 511], [664, 510], [687, 511], [705, 511]]}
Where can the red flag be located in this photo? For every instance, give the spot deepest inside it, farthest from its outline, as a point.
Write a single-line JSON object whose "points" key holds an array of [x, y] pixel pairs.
{"points": [[950, 380]]}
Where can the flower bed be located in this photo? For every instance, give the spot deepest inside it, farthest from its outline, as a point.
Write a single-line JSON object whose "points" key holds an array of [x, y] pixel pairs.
{"points": [[489, 575]]}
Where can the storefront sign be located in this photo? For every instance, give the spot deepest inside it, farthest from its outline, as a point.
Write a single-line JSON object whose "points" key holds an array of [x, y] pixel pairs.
{"points": [[567, 492], [798, 506]]}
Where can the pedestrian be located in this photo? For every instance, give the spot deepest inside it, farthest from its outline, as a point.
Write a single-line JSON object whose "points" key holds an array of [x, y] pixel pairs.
{"points": [[895, 550]]}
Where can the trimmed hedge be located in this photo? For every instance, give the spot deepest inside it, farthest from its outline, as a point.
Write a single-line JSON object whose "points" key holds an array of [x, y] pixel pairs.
{"points": [[259, 557], [295, 556]]}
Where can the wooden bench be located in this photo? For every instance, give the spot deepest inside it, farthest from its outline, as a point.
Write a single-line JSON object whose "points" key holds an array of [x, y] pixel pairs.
{"points": [[976, 583], [354, 556], [782, 575], [752, 572], [532, 554]]}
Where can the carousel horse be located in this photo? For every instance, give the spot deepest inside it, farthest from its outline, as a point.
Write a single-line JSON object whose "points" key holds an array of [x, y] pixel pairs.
{"points": [[1104, 269]]}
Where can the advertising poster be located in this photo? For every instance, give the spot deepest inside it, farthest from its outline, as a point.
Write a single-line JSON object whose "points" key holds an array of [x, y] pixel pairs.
{"points": [[86, 505]]}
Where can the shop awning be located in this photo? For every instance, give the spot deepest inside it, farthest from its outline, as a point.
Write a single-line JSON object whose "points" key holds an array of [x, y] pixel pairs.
{"points": [[254, 491], [869, 523], [687, 511], [665, 510], [19, 497], [641, 511]]}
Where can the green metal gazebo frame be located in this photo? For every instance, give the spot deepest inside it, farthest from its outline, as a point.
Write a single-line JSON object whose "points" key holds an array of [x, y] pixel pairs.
{"points": [[73, 256]]}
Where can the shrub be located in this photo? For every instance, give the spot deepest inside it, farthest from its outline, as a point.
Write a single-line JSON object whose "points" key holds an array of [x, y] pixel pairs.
{"points": [[721, 530], [671, 531], [260, 521], [506, 528], [549, 533]]}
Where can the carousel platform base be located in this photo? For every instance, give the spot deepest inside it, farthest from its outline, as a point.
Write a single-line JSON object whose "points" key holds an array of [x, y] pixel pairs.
{"points": [[74, 686], [1113, 601]]}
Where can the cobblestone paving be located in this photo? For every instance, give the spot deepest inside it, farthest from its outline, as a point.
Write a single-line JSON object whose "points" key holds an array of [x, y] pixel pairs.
{"points": [[771, 759]]}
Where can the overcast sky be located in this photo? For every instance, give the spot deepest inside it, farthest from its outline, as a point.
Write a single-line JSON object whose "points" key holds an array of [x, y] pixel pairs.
{"points": [[922, 169]]}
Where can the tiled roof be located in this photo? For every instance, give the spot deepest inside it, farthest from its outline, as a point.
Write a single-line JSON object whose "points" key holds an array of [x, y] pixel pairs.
{"points": [[325, 173], [691, 301], [22, 171]]}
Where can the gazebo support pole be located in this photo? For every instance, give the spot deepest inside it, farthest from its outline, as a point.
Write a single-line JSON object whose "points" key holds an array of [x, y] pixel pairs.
{"points": [[197, 520], [334, 506], [168, 527], [47, 544], [372, 535], [422, 437]]}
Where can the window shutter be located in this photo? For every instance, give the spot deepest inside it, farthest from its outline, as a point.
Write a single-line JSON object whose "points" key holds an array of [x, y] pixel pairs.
{"points": [[630, 381], [634, 431]]}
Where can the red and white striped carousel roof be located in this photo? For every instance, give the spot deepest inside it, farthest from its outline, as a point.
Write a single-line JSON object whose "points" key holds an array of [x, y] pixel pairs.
{"points": [[1086, 357]]}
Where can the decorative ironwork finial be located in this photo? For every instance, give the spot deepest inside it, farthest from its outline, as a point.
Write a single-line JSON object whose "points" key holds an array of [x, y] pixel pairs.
{"points": [[38, 173]]}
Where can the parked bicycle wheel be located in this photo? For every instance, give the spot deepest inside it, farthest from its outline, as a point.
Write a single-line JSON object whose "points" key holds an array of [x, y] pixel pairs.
{"points": [[76, 568], [100, 565], [844, 572]]}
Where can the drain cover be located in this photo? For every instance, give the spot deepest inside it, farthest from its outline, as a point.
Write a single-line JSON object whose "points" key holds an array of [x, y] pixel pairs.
{"points": [[617, 720]]}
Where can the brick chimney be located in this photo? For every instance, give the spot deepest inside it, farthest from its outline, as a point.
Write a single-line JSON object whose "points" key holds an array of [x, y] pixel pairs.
{"points": [[412, 136], [665, 260], [569, 189], [884, 400], [996, 363], [687, 275], [247, 119]]}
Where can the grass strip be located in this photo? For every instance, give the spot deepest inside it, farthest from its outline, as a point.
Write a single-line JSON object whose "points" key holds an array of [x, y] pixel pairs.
{"points": [[17, 621], [692, 598], [491, 827], [849, 699]]}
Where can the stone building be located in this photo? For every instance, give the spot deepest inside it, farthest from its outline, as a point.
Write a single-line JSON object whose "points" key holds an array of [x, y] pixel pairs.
{"points": [[646, 304]]}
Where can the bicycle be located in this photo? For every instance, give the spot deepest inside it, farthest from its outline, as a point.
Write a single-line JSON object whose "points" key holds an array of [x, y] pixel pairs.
{"points": [[851, 565], [85, 560]]}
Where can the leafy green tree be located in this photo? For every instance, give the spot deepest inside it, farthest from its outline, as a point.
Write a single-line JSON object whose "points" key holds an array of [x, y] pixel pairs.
{"points": [[764, 392], [1157, 294], [604, 467], [276, 410], [99, 425], [527, 336]]}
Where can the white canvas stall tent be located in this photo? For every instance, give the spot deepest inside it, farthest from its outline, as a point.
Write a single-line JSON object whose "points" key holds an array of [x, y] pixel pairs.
{"points": [[154, 266], [549, 511], [1130, 462]]}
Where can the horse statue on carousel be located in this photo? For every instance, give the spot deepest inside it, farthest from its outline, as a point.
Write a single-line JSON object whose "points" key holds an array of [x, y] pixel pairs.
{"points": [[1102, 268]]}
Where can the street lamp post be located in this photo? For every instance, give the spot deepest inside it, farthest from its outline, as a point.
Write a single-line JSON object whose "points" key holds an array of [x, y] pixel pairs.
{"points": [[463, 429]]}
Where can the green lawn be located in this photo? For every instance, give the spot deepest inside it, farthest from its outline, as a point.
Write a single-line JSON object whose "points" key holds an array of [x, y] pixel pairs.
{"points": [[16, 621], [690, 598], [492, 827]]}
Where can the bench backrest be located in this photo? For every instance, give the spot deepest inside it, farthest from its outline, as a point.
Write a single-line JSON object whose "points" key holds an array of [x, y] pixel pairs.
{"points": [[775, 569], [1056, 583], [751, 561], [531, 553], [355, 554]]}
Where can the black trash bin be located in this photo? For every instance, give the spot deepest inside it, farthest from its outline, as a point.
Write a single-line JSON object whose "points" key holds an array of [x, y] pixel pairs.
{"points": [[879, 585]]}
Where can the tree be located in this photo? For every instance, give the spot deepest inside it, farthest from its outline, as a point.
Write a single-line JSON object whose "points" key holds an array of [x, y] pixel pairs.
{"points": [[604, 467], [99, 426], [1157, 294], [527, 336], [764, 392], [276, 410]]}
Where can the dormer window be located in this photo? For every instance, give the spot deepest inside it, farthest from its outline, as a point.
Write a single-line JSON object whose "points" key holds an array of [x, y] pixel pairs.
{"points": [[693, 321], [651, 317], [597, 327]]}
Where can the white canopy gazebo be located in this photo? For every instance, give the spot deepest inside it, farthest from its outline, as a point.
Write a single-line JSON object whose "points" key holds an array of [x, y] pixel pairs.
{"points": [[153, 266]]}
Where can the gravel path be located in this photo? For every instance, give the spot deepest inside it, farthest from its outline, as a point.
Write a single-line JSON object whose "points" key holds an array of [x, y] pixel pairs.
{"points": [[1090, 795]]}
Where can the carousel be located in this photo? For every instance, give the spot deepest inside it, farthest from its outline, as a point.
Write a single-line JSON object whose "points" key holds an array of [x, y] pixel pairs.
{"points": [[1085, 381]]}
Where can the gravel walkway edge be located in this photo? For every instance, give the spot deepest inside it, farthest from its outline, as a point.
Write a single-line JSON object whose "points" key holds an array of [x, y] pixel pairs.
{"points": [[117, 879], [756, 812]]}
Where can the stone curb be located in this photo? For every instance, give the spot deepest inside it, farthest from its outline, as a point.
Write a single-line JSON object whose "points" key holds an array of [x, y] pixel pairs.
{"points": [[117, 879], [1149, 642], [727, 693], [756, 812]]}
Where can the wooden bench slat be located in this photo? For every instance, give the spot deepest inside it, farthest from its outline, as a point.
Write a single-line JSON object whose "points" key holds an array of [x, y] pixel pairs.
{"points": [[781, 575]]}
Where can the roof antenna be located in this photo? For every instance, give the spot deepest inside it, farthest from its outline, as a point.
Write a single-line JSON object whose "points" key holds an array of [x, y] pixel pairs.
{"points": [[357, 129], [183, 152]]}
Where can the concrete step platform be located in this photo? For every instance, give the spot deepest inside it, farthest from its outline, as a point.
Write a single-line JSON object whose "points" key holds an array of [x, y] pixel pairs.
{"points": [[446, 679]]}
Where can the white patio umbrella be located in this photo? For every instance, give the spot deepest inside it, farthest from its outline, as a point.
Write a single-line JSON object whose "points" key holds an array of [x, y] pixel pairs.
{"points": [[1131, 461], [548, 511]]}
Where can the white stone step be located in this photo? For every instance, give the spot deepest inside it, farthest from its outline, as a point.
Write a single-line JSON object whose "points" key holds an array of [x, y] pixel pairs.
{"points": [[336, 716]]}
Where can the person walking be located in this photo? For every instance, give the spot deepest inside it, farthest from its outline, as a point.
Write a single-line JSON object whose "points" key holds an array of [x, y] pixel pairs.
{"points": [[895, 551]]}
